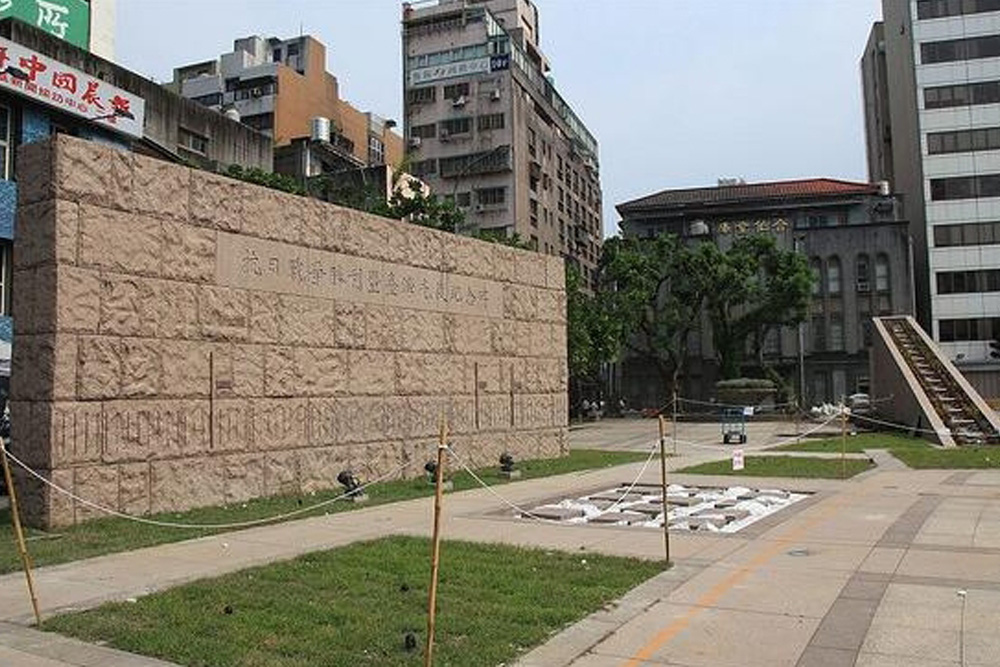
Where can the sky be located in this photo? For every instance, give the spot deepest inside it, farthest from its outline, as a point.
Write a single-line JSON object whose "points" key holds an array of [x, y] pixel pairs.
{"points": [[679, 93]]}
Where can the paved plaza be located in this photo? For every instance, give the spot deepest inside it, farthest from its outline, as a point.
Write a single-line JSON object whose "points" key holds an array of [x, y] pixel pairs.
{"points": [[892, 567]]}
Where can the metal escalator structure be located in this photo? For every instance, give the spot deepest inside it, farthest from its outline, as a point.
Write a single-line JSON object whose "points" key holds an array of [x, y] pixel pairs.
{"points": [[927, 392]]}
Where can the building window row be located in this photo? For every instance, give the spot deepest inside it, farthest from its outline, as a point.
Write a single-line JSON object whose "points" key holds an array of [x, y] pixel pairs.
{"points": [[421, 95], [491, 196], [456, 90], [972, 233], [965, 187], [936, 9], [976, 328], [960, 95], [484, 162], [968, 282], [967, 48], [963, 141], [832, 276]]}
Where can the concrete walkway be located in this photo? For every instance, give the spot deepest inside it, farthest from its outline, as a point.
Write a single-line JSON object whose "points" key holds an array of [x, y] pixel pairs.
{"points": [[852, 576]]}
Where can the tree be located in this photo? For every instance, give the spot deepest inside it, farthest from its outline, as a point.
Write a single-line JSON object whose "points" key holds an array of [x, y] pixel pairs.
{"points": [[591, 337], [652, 292], [756, 287]]}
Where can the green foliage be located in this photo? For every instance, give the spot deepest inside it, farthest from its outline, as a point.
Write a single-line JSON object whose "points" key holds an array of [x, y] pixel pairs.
{"points": [[856, 443], [784, 466], [266, 178], [592, 337], [755, 287], [653, 292], [354, 606], [514, 240], [950, 459]]}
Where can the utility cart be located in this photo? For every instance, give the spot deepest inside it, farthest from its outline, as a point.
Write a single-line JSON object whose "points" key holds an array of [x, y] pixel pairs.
{"points": [[734, 425]]}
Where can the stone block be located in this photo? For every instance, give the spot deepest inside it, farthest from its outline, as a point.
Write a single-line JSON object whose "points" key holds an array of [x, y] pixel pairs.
{"points": [[44, 367], [233, 425], [46, 233], [490, 373], [161, 188], [532, 411], [314, 229], [138, 248], [504, 337], [462, 415], [505, 263], [418, 246], [280, 423], [275, 215], [324, 371], [350, 327], [31, 432], [468, 256], [91, 173], [555, 273], [142, 367], [319, 467], [77, 432], [128, 306], [242, 477], [223, 314], [41, 506], [424, 374], [180, 484], [530, 268], [281, 473], [494, 412], [551, 306], [469, 335], [99, 367], [33, 299], [308, 321], [134, 482], [155, 430], [383, 327], [217, 202], [361, 419], [415, 330], [186, 368], [78, 300], [98, 485], [520, 302], [323, 422], [371, 373], [282, 376], [176, 309], [188, 252], [247, 370], [267, 317], [35, 173]]}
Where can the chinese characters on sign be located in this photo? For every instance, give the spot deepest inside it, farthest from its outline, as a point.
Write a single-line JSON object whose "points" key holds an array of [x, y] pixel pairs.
{"points": [[50, 82], [66, 19], [272, 266], [759, 226], [461, 68]]}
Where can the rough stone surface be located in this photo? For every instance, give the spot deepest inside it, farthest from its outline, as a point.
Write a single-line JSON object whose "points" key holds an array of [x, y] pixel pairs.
{"points": [[184, 339]]}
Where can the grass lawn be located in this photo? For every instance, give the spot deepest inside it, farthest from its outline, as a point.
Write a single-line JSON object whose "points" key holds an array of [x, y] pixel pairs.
{"points": [[104, 536], [782, 466], [960, 457], [354, 605], [856, 443]]}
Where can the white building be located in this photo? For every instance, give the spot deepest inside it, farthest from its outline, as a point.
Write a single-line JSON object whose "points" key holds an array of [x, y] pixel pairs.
{"points": [[940, 78]]}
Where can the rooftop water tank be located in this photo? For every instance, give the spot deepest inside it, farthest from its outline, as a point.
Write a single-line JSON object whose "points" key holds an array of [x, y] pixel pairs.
{"points": [[320, 129]]}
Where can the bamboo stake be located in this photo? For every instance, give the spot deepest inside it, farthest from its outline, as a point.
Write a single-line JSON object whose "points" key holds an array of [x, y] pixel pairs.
{"points": [[22, 548], [673, 429], [843, 441], [436, 551], [663, 489]]}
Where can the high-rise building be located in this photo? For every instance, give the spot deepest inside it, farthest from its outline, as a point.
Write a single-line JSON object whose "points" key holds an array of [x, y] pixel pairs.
{"points": [[933, 127], [279, 87], [486, 127]]}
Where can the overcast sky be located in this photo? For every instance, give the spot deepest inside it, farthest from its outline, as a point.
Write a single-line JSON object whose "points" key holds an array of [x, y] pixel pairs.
{"points": [[677, 92]]}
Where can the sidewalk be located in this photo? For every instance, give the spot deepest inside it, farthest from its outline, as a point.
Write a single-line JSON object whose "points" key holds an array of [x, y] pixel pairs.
{"points": [[791, 593]]}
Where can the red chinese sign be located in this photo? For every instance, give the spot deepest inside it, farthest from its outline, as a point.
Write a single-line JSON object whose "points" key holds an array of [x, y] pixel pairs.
{"points": [[50, 82]]}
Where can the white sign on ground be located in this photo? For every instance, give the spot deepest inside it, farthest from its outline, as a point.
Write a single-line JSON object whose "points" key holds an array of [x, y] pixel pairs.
{"points": [[737, 459]]}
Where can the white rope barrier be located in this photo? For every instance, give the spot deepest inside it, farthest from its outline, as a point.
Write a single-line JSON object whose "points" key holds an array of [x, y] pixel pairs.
{"points": [[902, 427], [777, 443], [642, 471], [200, 526]]}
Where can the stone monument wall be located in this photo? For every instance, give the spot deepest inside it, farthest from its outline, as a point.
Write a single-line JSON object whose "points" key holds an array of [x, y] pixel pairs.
{"points": [[183, 339]]}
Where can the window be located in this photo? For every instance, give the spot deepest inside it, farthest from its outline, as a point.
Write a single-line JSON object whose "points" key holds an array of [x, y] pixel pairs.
{"points": [[981, 233], [772, 343], [965, 187], [836, 333], [424, 168], [210, 100], [981, 328], [4, 142], [968, 48], [456, 126], [456, 90], [292, 50], [833, 276], [485, 162], [863, 274], [191, 141], [935, 9], [491, 196], [493, 121], [817, 271], [428, 131], [942, 97], [421, 95], [882, 273], [463, 199], [818, 334], [261, 122], [376, 150], [968, 282], [963, 141]]}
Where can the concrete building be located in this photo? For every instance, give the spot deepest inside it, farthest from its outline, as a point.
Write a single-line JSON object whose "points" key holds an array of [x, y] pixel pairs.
{"points": [[278, 87], [50, 86], [485, 126], [859, 251], [88, 24], [938, 142]]}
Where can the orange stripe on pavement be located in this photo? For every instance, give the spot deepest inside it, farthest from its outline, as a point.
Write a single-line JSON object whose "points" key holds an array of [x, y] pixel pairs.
{"points": [[721, 588]]}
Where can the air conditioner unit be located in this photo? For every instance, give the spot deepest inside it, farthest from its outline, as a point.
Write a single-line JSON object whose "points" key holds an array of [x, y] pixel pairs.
{"points": [[480, 208], [864, 286], [256, 92], [414, 142], [458, 101], [495, 96], [443, 135]]}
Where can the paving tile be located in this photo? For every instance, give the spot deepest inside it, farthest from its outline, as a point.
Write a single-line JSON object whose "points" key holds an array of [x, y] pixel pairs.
{"points": [[862, 587], [845, 625], [922, 643], [818, 656], [981, 648], [877, 660]]}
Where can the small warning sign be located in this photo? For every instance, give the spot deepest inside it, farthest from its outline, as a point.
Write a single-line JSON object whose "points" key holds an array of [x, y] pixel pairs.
{"points": [[737, 459]]}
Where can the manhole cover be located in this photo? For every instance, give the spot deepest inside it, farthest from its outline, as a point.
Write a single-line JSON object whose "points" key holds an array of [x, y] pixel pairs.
{"points": [[799, 552]]}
